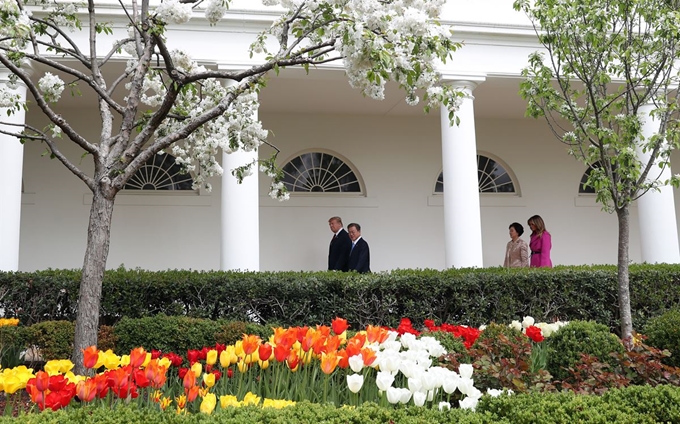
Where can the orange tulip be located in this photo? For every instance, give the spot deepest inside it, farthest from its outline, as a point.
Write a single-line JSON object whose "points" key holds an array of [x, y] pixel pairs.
{"points": [[368, 355], [137, 357], [301, 332], [329, 361], [333, 343], [344, 359], [42, 381], [189, 380], [284, 337], [86, 390], [156, 374], [250, 343], [293, 360], [376, 334], [90, 356], [339, 325], [192, 393]]}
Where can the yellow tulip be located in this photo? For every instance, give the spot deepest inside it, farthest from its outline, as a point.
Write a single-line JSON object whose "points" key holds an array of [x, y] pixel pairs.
{"points": [[109, 360], [165, 402], [211, 357], [124, 360], [251, 399], [197, 369], [242, 366], [164, 362], [209, 379], [228, 400], [75, 379], [147, 360], [263, 364], [208, 404], [13, 383], [238, 348], [52, 367]]}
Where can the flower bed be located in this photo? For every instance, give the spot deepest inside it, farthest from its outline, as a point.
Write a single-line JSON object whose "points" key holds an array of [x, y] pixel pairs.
{"points": [[326, 365]]}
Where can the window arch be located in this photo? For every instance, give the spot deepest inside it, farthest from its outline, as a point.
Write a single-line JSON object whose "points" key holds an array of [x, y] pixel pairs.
{"points": [[160, 172], [492, 175], [582, 188], [321, 172]]}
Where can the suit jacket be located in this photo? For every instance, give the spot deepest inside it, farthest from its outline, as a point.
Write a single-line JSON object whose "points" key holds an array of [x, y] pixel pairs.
{"points": [[360, 257], [338, 252]]}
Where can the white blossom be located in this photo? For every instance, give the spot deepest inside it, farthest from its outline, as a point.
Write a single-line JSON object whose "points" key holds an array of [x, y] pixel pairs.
{"points": [[173, 12], [51, 87]]}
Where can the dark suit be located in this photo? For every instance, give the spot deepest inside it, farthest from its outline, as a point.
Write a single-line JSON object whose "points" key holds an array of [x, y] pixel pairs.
{"points": [[338, 252], [360, 257]]}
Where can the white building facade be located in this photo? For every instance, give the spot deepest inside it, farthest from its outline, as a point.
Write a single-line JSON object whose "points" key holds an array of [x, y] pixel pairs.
{"points": [[391, 154]]}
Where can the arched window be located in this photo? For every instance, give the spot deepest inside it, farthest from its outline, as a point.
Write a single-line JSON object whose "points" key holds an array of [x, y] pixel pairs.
{"points": [[160, 173], [582, 188], [491, 176], [320, 172]]}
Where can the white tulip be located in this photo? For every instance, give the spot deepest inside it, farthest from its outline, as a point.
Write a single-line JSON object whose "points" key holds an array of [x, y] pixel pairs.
{"points": [[384, 380], [408, 340], [450, 383], [414, 384], [405, 395], [393, 395], [356, 363], [419, 398], [516, 325], [465, 385], [468, 403], [494, 392], [355, 382], [527, 322], [465, 370], [430, 394], [444, 405]]}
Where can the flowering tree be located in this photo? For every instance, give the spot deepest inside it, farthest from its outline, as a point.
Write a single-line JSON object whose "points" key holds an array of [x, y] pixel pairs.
{"points": [[609, 68], [192, 113]]}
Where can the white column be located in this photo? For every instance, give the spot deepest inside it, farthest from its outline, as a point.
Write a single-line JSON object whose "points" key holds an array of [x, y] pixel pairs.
{"points": [[11, 169], [656, 209], [462, 220], [240, 218]]}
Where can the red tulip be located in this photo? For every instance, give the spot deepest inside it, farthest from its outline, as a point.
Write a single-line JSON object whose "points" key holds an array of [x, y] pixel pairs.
{"points": [[534, 333], [265, 351], [339, 325]]}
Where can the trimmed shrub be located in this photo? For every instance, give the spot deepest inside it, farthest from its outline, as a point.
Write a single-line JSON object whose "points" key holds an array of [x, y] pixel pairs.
{"points": [[165, 333], [53, 338], [663, 332], [461, 296], [12, 343], [580, 337]]}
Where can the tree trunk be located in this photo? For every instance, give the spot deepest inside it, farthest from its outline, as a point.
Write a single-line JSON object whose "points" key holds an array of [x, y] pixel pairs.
{"points": [[623, 278], [89, 297]]}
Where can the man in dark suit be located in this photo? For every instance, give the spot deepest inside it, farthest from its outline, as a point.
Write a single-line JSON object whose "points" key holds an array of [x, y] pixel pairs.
{"points": [[338, 252], [359, 257]]}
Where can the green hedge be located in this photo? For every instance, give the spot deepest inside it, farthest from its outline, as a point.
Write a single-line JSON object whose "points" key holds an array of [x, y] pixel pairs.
{"points": [[461, 296], [639, 404]]}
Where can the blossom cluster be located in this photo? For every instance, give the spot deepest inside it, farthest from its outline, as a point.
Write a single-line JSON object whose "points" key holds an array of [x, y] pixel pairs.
{"points": [[51, 87]]}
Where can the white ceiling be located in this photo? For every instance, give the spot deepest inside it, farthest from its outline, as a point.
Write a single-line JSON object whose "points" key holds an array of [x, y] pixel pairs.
{"points": [[325, 91]]}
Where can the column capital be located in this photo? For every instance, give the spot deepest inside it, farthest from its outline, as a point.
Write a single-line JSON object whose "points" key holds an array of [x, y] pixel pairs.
{"points": [[462, 80]]}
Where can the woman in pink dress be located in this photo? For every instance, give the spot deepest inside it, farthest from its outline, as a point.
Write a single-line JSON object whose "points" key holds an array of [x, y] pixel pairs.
{"points": [[540, 243]]}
